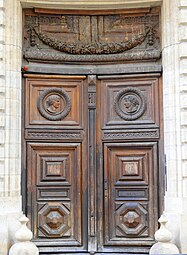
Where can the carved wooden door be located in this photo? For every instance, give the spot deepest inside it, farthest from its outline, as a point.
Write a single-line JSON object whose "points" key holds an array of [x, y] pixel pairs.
{"points": [[92, 162]]}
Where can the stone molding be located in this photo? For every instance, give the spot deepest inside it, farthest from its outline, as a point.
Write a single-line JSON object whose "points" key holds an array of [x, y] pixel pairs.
{"points": [[92, 4]]}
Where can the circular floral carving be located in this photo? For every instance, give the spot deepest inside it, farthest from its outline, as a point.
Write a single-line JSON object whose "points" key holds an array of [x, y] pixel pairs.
{"points": [[54, 104], [130, 103]]}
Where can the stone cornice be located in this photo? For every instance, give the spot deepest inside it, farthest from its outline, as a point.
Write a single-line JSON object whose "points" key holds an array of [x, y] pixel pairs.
{"points": [[92, 4]]}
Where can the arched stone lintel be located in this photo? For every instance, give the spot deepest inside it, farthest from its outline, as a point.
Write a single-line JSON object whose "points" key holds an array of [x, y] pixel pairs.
{"points": [[92, 4]]}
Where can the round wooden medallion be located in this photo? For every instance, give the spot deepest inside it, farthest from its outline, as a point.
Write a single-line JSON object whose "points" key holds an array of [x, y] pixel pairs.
{"points": [[54, 104], [130, 103]]}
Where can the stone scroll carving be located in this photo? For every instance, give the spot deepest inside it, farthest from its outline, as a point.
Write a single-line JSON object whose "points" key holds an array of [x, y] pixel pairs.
{"points": [[92, 38], [54, 104], [130, 103]]}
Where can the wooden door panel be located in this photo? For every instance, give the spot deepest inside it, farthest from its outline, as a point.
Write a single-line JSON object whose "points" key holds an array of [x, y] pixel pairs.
{"points": [[130, 193], [92, 173], [54, 102], [54, 185], [130, 144], [130, 102]]}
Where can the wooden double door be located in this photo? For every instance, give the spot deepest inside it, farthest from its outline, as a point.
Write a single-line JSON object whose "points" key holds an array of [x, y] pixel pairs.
{"points": [[93, 162]]}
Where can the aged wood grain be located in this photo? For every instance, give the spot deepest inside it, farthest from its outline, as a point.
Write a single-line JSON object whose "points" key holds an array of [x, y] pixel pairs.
{"points": [[93, 185], [92, 131]]}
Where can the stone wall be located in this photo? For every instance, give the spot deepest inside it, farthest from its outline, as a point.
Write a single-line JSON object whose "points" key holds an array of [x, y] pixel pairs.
{"points": [[182, 35], [174, 18], [174, 34], [10, 120]]}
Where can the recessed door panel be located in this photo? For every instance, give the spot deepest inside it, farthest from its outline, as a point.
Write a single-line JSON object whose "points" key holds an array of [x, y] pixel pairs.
{"points": [[54, 102], [130, 193], [55, 177], [130, 102], [130, 163]]}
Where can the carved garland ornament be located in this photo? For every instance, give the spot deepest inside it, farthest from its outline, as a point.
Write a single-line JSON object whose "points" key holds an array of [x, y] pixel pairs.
{"points": [[92, 48], [54, 104], [130, 103]]}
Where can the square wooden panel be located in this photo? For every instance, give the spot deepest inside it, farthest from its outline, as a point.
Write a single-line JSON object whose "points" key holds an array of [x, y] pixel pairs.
{"points": [[129, 165], [55, 178], [54, 166], [130, 168], [54, 102], [130, 102], [131, 174]]}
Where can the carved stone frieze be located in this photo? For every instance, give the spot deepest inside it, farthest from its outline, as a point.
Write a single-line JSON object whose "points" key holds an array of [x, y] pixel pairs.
{"points": [[74, 38]]}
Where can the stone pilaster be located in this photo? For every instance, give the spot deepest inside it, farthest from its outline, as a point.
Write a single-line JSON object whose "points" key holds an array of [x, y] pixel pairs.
{"points": [[182, 30], [175, 116], [3, 224], [10, 120]]}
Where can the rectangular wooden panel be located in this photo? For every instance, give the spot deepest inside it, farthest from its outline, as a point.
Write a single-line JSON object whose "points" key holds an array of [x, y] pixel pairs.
{"points": [[130, 102], [54, 102], [130, 174], [55, 193]]}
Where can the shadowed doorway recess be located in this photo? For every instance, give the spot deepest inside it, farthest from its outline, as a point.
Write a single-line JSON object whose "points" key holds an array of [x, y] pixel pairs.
{"points": [[93, 133]]}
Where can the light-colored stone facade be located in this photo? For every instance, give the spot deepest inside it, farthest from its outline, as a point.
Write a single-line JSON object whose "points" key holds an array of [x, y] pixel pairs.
{"points": [[174, 60]]}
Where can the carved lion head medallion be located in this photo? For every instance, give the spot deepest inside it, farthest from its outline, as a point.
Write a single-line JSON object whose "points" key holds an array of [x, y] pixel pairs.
{"points": [[130, 103], [54, 104]]}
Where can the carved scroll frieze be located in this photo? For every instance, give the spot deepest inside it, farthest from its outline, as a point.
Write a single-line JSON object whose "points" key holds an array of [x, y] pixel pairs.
{"points": [[85, 37], [63, 135], [129, 135]]}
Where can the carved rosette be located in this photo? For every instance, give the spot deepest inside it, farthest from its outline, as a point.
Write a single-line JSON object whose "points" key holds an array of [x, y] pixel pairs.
{"points": [[130, 103], [131, 218], [53, 220], [54, 104]]}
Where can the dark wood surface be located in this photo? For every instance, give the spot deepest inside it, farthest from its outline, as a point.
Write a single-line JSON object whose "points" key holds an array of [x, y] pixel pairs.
{"points": [[93, 170], [91, 37], [94, 177]]}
